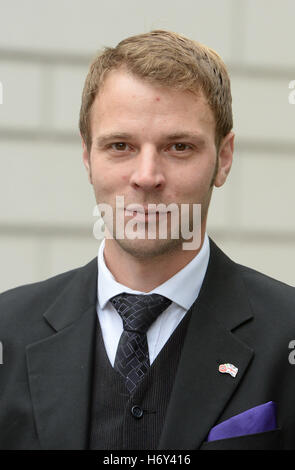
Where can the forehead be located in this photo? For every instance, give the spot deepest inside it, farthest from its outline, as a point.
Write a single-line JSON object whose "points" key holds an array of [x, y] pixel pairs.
{"points": [[127, 99]]}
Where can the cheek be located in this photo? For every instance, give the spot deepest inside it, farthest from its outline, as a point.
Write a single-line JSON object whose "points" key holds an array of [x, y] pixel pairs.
{"points": [[106, 181], [102, 185], [190, 186]]}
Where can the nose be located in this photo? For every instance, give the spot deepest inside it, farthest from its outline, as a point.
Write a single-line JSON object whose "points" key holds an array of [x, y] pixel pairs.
{"points": [[148, 171]]}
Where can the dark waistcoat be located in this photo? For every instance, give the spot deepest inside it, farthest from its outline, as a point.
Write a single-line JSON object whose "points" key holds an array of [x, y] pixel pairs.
{"points": [[121, 421]]}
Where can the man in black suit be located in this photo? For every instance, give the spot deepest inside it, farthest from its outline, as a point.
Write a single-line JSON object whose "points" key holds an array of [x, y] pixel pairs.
{"points": [[154, 344]]}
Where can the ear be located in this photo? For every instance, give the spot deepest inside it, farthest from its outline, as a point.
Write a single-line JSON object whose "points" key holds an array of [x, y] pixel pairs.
{"points": [[225, 158], [86, 160]]}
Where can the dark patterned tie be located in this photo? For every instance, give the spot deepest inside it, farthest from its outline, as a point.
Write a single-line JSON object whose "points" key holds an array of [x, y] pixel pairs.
{"points": [[138, 312]]}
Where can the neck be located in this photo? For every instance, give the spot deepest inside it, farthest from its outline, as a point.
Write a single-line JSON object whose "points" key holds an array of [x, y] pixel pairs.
{"points": [[145, 273]]}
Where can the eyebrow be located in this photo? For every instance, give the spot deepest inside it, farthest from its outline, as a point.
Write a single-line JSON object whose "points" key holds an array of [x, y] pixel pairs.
{"points": [[186, 135], [104, 139]]}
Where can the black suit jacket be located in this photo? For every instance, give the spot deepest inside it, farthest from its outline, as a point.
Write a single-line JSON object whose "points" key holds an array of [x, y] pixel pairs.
{"points": [[241, 317]]}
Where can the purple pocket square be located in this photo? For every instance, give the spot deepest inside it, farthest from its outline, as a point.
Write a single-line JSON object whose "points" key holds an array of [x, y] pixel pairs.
{"points": [[261, 418]]}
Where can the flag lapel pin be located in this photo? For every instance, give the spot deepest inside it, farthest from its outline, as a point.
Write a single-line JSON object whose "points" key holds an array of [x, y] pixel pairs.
{"points": [[228, 369]]}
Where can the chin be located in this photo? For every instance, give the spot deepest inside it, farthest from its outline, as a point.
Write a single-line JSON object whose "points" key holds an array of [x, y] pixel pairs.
{"points": [[141, 248]]}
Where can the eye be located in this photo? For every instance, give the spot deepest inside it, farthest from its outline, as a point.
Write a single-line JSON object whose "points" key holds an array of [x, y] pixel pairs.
{"points": [[181, 147], [121, 146]]}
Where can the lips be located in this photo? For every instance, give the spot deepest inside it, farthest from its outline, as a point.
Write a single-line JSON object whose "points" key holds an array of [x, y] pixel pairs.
{"points": [[143, 213], [140, 213], [140, 209]]}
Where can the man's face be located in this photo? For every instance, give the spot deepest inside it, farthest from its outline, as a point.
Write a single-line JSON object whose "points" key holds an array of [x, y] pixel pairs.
{"points": [[153, 145]]}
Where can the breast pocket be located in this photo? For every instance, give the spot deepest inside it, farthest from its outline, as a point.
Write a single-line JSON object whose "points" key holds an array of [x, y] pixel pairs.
{"points": [[270, 440]]}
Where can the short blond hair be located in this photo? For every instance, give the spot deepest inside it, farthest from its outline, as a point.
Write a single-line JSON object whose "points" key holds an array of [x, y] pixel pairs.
{"points": [[168, 59]]}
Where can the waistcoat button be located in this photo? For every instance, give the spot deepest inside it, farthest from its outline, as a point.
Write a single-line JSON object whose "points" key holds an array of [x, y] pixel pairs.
{"points": [[136, 411]]}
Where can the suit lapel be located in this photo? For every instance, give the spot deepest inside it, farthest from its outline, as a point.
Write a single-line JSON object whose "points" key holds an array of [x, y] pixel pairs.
{"points": [[60, 366], [200, 391]]}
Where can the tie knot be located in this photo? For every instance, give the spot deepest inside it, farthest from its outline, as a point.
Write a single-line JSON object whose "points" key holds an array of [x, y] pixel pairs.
{"points": [[139, 311]]}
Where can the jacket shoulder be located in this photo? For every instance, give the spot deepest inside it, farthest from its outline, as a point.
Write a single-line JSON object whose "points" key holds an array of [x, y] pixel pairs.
{"points": [[269, 298], [259, 286], [262, 283], [24, 300]]}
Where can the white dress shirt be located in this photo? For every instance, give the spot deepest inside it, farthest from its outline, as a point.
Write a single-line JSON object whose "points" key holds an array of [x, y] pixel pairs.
{"points": [[182, 289]]}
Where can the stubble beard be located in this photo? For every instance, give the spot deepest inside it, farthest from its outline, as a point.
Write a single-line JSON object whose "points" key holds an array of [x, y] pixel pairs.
{"points": [[150, 248]]}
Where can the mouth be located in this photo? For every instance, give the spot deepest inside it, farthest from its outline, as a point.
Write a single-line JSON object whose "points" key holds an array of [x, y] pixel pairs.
{"points": [[143, 213]]}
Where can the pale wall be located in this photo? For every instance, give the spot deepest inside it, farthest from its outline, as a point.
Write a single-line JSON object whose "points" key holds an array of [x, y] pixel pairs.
{"points": [[46, 201]]}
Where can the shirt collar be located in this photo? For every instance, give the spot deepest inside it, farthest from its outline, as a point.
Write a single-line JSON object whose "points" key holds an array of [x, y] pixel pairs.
{"points": [[183, 288]]}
